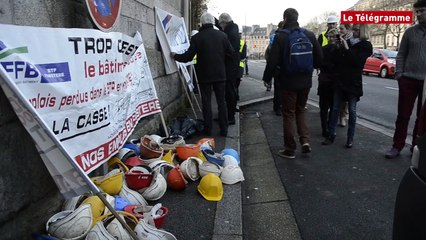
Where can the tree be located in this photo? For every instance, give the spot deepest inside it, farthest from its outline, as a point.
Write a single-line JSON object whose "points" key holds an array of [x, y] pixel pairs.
{"points": [[198, 7], [318, 23]]}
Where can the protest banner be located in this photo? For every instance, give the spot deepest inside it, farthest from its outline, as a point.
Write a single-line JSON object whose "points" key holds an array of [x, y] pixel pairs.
{"points": [[173, 37], [86, 88]]}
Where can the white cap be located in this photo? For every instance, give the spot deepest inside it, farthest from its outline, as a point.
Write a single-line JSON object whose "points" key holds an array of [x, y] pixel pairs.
{"points": [[332, 19]]}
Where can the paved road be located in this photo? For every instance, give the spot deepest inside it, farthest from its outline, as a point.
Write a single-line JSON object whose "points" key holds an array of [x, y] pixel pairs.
{"points": [[378, 106], [334, 192]]}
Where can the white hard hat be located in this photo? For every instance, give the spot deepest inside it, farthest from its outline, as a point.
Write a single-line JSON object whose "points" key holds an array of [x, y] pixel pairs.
{"points": [[332, 19], [157, 189], [232, 174], [156, 138], [72, 203], [117, 230], [153, 215], [190, 167], [209, 167], [71, 225], [131, 196], [99, 232], [124, 153], [170, 143], [229, 160], [146, 231], [193, 32], [162, 166]]}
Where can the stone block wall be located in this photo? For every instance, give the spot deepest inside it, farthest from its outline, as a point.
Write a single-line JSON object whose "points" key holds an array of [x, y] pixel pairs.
{"points": [[28, 195]]}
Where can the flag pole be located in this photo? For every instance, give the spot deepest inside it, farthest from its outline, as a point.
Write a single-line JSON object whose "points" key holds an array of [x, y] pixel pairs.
{"points": [[19, 96]]}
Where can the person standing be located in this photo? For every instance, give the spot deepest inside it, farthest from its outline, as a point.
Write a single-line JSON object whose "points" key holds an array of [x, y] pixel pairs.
{"points": [[328, 75], [346, 33], [213, 49], [232, 65], [410, 71], [243, 56], [277, 101], [350, 61], [331, 24], [295, 85]]}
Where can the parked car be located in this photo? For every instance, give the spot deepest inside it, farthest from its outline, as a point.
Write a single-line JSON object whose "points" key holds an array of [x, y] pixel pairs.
{"points": [[382, 62]]}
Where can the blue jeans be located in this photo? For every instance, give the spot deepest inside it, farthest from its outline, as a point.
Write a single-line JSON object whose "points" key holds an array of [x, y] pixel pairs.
{"points": [[338, 99]]}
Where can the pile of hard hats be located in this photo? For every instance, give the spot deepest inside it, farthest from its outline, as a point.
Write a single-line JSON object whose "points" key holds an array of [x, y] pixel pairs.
{"points": [[140, 172], [87, 217]]}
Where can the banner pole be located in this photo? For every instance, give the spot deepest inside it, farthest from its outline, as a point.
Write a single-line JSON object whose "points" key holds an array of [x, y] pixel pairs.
{"points": [[164, 124], [186, 91], [196, 78], [49, 133], [196, 101]]}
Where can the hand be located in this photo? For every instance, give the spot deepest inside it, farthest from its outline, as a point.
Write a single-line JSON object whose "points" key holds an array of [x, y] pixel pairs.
{"points": [[172, 55], [268, 86], [344, 43]]}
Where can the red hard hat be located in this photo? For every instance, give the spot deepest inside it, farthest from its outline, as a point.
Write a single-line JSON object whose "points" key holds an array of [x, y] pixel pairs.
{"points": [[176, 180], [138, 178], [150, 148], [133, 161]]}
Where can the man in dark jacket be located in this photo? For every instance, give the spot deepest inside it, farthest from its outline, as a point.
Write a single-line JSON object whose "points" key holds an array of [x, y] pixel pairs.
{"points": [[212, 48], [294, 87], [232, 65]]}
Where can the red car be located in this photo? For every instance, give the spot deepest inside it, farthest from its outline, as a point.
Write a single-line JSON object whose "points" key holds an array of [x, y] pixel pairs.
{"points": [[381, 62]]}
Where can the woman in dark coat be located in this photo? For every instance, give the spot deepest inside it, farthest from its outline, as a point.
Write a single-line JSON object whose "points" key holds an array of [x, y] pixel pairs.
{"points": [[350, 60], [328, 75]]}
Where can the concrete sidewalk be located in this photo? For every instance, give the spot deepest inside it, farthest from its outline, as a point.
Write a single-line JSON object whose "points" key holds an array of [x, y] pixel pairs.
{"points": [[313, 196]]}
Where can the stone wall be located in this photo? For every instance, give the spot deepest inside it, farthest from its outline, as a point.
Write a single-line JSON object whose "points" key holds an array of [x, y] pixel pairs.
{"points": [[28, 195]]}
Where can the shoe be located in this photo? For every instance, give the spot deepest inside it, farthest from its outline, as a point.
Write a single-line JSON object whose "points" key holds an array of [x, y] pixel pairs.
{"points": [[342, 122], [286, 154], [327, 141], [349, 143], [306, 148], [392, 153]]}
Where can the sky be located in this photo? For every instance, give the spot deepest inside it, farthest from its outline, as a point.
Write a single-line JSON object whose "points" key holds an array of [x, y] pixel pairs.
{"points": [[262, 12]]}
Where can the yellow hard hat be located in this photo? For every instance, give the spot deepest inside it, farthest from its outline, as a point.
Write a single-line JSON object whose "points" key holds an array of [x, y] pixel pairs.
{"points": [[115, 161], [211, 188], [111, 183], [96, 204]]}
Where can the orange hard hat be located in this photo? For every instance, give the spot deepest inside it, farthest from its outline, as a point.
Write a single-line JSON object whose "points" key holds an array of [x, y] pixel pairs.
{"points": [[176, 180], [188, 150]]}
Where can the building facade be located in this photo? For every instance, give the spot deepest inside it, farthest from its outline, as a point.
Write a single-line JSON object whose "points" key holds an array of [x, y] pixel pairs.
{"points": [[386, 36], [257, 39]]}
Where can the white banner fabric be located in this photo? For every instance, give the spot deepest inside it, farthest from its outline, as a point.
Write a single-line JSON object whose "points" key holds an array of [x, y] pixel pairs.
{"points": [[88, 87]]}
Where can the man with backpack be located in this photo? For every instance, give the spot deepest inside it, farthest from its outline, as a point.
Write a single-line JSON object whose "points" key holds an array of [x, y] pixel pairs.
{"points": [[297, 52]]}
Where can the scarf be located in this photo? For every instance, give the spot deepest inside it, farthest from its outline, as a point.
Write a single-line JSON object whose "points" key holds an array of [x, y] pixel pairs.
{"points": [[354, 40]]}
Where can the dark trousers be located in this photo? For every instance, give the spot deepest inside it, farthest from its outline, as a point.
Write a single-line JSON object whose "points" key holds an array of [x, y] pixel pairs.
{"points": [[293, 105], [325, 93], [277, 94], [206, 97], [409, 90], [231, 98]]}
